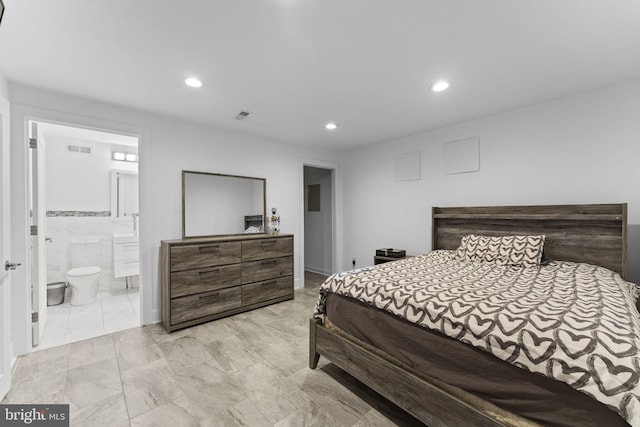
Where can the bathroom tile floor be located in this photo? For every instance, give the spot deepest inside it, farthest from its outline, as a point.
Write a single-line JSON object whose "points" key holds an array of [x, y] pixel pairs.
{"points": [[250, 369], [113, 311]]}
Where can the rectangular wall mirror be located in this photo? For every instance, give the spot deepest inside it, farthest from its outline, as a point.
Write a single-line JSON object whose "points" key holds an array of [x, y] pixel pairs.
{"points": [[124, 193], [217, 204]]}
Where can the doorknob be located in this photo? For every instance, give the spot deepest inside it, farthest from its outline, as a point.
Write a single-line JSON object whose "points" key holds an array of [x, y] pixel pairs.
{"points": [[11, 265]]}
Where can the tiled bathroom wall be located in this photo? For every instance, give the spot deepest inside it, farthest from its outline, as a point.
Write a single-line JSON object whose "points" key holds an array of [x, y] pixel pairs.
{"points": [[64, 226]]}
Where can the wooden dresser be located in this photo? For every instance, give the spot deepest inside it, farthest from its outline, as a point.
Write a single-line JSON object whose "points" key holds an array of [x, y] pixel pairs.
{"points": [[208, 278]]}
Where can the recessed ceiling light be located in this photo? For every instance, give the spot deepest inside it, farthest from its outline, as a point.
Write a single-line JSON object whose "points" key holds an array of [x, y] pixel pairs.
{"points": [[331, 126], [193, 82], [440, 86]]}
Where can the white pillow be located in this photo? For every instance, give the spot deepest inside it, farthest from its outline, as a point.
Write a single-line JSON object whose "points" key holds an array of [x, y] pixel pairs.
{"points": [[503, 250]]}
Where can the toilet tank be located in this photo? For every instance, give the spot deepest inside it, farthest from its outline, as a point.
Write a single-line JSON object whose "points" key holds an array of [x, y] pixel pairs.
{"points": [[85, 253]]}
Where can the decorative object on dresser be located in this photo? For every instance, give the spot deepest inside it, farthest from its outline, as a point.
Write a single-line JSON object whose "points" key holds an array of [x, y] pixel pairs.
{"points": [[253, 224], [274, 221], [208, 278], [388, 254]]}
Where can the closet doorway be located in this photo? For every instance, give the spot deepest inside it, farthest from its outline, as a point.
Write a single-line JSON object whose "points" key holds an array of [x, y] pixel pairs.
{"points": [[319, 221]]}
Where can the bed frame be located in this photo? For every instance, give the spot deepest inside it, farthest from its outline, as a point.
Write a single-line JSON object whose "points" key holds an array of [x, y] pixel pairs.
{"points": [[595, 234]]}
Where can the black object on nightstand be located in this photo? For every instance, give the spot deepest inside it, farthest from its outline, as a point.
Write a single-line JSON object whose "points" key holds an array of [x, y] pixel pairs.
{"points": [[388, 254]]}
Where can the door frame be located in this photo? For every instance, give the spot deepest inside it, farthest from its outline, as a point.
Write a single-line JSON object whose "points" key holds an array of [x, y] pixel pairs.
{"points": [[37, 245], [336, 207], [6, 351], [21, 301]]}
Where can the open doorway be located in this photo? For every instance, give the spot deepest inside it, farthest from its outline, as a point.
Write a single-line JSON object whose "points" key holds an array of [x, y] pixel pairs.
{"points": [[84, 242], [319, 214]]}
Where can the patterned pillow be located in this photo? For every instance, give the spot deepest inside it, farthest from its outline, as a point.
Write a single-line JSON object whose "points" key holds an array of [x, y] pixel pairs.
{"points": [[503, 250]]}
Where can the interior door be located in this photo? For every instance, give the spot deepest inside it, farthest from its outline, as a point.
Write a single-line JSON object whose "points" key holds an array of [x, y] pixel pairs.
{"points": [[37, 246], [5, 273]]}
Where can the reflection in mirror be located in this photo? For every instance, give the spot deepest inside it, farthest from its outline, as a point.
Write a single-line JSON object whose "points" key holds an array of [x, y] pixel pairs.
{"points": [[124, 193], [214, 204]]}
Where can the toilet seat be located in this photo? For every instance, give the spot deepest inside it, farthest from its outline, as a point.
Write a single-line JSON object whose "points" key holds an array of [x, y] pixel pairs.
{"points": [[83, 271]]}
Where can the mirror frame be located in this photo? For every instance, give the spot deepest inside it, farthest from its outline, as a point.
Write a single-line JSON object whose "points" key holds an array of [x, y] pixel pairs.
{"points": [[184, 216]]}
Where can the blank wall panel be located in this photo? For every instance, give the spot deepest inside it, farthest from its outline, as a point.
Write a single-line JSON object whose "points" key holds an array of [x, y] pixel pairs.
{"points": [[406, 166], [313, 200], [462, 156]]}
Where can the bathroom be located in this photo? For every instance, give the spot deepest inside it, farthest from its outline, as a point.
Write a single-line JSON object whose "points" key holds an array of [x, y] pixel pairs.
{"points": [[91, 202]]}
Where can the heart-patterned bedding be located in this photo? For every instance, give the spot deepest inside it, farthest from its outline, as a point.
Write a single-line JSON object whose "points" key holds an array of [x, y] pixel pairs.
{"points": [[573, 322]]}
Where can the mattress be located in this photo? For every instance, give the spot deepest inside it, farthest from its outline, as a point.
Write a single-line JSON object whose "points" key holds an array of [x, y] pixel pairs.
{"points": [[530, 395], [573, 323]]}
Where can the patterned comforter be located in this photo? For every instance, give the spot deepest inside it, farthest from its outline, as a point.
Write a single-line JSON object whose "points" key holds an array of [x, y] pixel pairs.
{"points": [[573, 322]]}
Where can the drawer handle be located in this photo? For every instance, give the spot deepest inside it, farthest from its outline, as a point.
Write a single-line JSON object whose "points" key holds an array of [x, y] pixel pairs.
{"points": [[131, 262], [209, 248], [268, 243], [269, 283], [271, 261], [210, 296], [209, 272]]}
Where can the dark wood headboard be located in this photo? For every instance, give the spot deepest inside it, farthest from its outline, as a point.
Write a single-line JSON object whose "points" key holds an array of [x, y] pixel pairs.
{"points": [[595, 234]]}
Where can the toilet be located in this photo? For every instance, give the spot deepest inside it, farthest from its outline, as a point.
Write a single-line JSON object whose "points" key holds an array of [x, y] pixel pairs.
{"points": [[84, 273]]}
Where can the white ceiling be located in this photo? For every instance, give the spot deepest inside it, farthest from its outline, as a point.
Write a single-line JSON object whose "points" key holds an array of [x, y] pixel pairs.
{"points": [[297, 64]]}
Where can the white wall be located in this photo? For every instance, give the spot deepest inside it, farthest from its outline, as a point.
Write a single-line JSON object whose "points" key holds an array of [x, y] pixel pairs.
{"points": [[4, 90], [579, 149], [167, 146], [79, 181], [318, 242], [76, 181]]}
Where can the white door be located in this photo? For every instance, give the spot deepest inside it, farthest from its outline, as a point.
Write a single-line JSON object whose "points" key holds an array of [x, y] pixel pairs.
{"points": [[5, 271], [37, 213]]}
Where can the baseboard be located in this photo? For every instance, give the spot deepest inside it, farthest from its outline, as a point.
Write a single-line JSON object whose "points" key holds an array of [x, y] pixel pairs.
{"points": [[156, 316], [317, 271]]}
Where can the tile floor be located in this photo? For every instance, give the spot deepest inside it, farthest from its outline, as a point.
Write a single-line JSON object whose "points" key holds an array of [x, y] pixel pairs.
{"points": [[113, 311], [245, 370]]}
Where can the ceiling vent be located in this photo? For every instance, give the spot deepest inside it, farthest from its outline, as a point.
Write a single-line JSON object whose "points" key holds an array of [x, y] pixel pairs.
{"points": [[242, 115], [80, 149]]}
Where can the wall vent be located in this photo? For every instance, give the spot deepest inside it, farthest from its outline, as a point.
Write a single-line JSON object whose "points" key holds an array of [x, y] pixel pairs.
{"points": [[242, 115], [80, 149]]}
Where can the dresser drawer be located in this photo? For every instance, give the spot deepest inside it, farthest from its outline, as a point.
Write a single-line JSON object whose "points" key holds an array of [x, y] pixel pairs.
{"points": [[204, 255], [205, 279], [255, 271], [269, 289], [266, 248], [202, 305]]}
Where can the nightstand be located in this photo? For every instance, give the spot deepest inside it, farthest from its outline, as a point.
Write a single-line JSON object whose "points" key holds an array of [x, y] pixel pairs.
{"points": [[378, 259]]}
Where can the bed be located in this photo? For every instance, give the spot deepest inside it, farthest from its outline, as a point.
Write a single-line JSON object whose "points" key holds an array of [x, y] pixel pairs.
{"points": [[444, 379]]}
